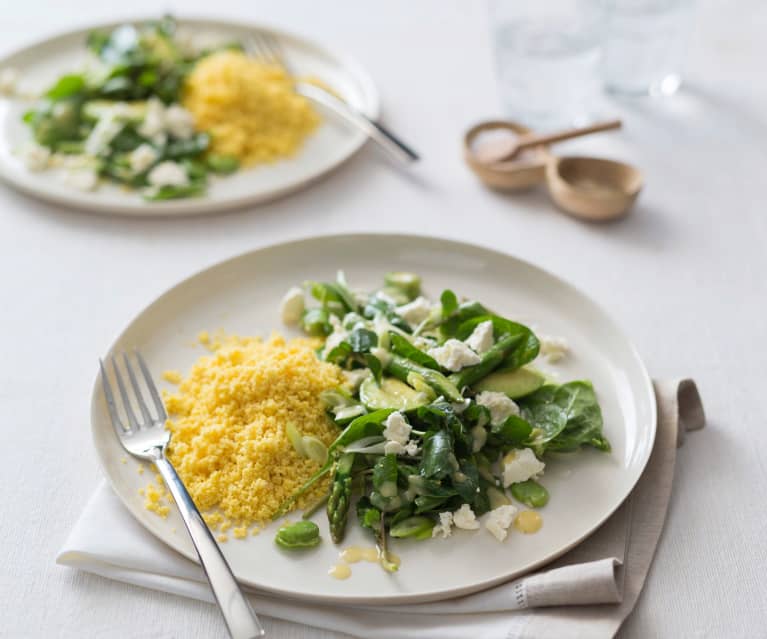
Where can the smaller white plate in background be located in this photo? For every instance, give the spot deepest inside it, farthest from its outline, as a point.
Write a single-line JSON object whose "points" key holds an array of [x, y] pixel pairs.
{"points": [[331, 144]]}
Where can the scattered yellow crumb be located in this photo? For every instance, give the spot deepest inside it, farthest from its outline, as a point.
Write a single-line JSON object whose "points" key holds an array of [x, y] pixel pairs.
{"points": [[173, 377], [203, 337], [154, 497], [240, 532], [173, 530], [228, 422], [140, 469], [249, 108], [222, 538], [124, 460]]}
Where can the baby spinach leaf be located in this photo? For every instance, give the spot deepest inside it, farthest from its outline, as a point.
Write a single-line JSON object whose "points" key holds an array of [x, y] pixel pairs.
{"points": [[362, 426], [511, 432], [449, 303], [438, 459], [403, 347], [385, 474], [565, 417], [375, 366], [362, 340], [66, 87]]}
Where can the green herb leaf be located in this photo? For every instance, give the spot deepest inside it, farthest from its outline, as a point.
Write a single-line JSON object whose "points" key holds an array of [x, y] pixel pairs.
{"points": [[403, 347]]}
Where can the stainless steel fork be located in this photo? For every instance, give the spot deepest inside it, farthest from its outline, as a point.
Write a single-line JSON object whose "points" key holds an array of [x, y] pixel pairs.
{"points": [[147, 439], [265, 46]]}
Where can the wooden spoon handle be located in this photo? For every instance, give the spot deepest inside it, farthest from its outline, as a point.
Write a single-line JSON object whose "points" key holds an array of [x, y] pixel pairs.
{"points": [[527, 141]]}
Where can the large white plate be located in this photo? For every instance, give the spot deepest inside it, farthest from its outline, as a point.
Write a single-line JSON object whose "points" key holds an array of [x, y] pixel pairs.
{"points": [[242, 295], [40, 64]]}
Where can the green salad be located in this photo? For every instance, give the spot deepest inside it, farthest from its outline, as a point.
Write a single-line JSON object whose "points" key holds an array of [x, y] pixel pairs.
{"points": [[120, 118], [442, 418]]}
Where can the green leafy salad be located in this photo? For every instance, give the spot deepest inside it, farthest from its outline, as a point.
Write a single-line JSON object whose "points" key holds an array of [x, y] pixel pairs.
{"points": [[442, 418], [120, 119]]}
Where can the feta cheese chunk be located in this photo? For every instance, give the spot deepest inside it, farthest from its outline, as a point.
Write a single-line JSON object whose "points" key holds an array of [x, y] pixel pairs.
{"points": [[499, 520], [395, 448], [454, 355], [168, 174], [396, 428], [416, 311], [521, 465], [292, 306], [481, 339], [499, 405], [142, 157], [179, 122], [8, 79], [444, 526], [154, 119], [465, 518], [553, 348], [37, 158], [82, 179]]}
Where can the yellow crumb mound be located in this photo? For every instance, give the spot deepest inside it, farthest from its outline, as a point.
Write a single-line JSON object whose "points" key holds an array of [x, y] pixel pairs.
{"points": [[228, 422], [249, 108]]}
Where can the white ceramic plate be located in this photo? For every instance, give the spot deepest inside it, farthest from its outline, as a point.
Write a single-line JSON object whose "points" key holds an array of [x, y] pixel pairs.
{"points": [[332, 143], [242, 295]]}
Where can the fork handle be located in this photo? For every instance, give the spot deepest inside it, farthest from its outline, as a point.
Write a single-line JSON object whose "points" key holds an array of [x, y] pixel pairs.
{"points": [[374, 130], [240, 619]]}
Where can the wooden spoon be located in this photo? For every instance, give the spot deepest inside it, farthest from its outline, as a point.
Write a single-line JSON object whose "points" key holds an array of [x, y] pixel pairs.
{"points": [[506, 149]]}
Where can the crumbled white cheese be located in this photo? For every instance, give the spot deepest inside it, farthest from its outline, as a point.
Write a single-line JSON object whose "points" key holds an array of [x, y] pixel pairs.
{"points": [[499, 405], [444, 527], [396, 428], [553, 348], [107, 127], [465, 518], [154, 119], [416, 311], [481, 339], [179, 122], [395, 448], [354, 378], [499, 520], [292, 306], [82, 179], [521, 465], [142, 157], [478, 438], [454, 355], [36, 158], [8, 79], [168, 174]]}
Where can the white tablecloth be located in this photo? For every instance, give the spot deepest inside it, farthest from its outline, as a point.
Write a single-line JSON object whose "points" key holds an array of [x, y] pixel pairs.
{"points": [[685, 275]]}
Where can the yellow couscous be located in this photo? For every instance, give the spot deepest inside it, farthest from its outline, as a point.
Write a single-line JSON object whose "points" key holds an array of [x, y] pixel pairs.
{"points": [[228, 420], [249, 108]]}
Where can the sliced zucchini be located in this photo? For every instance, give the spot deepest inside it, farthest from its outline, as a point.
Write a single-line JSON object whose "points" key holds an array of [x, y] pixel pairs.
{"points": [[391, 393], [408, 283], [516, 383]]}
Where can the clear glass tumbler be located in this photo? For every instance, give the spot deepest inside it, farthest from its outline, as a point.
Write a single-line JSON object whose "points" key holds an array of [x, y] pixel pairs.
{"points": [[547, 55], [644, 44]]}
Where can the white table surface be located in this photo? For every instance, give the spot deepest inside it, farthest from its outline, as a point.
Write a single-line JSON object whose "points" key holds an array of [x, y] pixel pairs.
{"points": [[685, 276]]}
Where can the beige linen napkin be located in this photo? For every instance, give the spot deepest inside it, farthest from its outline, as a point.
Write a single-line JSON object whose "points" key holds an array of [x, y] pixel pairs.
{"points": [[566, 599]]}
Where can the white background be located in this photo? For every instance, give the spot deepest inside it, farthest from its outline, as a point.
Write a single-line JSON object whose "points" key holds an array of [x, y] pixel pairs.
{"points": [[684, 275]]}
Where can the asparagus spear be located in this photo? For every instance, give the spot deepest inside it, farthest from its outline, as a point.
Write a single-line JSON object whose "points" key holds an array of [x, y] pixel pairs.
{"points": [[490, 361], [401, 367], [339, 497]]}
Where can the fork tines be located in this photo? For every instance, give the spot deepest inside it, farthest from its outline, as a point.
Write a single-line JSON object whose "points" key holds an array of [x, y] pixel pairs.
{"points": [[137, 399]]}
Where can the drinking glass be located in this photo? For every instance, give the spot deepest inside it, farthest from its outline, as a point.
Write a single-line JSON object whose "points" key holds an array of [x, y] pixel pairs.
{"points": [[644, 44], [547, 54]]}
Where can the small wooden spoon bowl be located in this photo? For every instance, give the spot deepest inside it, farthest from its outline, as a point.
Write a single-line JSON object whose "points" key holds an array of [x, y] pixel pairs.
{"points": [[511, 175], [593, 188]]}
